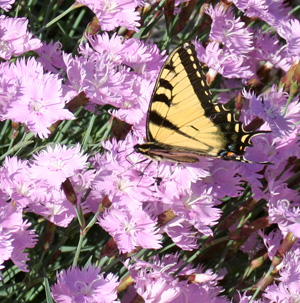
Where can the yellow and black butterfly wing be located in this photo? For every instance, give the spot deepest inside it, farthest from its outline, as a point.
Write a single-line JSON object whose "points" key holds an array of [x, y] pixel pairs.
{"points": [[183, 123]]}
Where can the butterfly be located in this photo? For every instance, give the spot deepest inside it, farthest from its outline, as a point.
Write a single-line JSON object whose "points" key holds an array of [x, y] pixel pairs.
{"points": [[183, 123]]}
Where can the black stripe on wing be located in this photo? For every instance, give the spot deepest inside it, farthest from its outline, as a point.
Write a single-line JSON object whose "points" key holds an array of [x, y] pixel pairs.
{"points": [[158, 120]]}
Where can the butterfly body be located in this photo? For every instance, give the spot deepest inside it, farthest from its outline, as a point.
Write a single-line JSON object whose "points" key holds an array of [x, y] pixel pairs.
{"points": [[183, 123], [162, 152]]}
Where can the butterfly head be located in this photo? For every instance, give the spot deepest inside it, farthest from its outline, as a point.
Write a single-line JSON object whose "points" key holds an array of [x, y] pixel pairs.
{"points": [[148, 150], [142, 148]]}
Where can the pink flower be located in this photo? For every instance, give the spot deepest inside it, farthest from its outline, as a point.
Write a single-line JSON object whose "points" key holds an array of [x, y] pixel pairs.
{"points": [[50, 56], [272, 241], [134, 108], [41, 105], [288, 287], [131, 229], [197, 207], [243, 298], [15, 236], [290, 31], [284, 208], [34, 98], [103, 74], [230, 31], [182, 233], [57, 209], [133, 187], [252, 8], [145, 58], [268, 48], [19, 184], [97, 76], [224, 179], [55, 165], [6, 4], [155, 282], [14, 37], [103, 44], [121, 177], [115, 13], [85, 285], [16, 184], [221, 60], [270, 107], [270, 11], [182, 176]]}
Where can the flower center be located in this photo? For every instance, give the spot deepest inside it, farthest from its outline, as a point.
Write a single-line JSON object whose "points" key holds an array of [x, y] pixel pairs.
{"points": [[55, 163], [36, 105], [110, 6], [4, 46]]}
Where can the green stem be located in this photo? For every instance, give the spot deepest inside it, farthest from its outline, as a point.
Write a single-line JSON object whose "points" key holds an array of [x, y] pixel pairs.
{"points": [[72, 7], [18, 146], [259, 287], [83, 232]]}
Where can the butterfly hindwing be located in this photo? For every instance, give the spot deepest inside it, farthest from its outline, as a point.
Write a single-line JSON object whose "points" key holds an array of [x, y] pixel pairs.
{"points": [[183, 122]]}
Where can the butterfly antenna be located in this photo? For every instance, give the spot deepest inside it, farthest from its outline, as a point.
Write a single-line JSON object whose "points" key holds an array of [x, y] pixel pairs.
{"points": [[133, 164], [143, 172]]}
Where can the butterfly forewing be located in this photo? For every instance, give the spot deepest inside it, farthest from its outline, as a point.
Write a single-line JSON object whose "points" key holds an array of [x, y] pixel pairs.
{"points": [[177, 116], [183, 122]]}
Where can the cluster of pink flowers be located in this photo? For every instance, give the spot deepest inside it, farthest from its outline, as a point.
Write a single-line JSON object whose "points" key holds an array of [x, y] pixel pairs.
{"points": [[109, 70]]}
